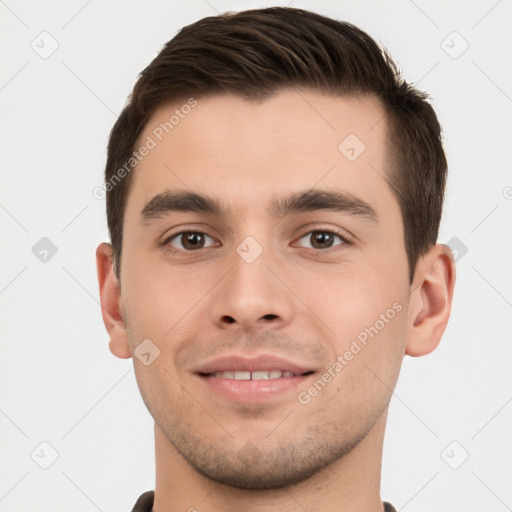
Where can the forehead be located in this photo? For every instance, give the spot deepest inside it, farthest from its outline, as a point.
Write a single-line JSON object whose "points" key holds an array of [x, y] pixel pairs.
{"points": [[250, 151]]}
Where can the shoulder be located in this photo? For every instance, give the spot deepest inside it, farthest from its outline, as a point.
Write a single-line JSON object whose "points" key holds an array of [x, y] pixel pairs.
{"points": [[145, 502]]}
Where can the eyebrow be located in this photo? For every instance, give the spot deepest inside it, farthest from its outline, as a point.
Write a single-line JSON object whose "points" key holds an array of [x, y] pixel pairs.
{"points": [[298, 202], [314, 199]]}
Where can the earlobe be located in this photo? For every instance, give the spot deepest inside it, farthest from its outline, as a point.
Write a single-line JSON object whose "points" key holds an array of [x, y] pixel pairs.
{"points": [[118, 343], [430, 301], [110, 295]]}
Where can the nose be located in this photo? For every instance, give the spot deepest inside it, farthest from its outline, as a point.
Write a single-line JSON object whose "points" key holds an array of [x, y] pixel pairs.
{"points": [[253, 296]]}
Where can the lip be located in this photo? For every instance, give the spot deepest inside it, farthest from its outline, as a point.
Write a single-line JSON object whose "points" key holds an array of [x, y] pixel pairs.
{"points": [[251, 391], [262, 362]]}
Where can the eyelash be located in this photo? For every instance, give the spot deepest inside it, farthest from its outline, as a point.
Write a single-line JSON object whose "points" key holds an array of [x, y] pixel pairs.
{"points": [[173, 250]]}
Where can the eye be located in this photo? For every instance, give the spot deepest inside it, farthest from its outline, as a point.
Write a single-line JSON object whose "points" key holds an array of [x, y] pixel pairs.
{"points": [[190, 241], [321, 239]]}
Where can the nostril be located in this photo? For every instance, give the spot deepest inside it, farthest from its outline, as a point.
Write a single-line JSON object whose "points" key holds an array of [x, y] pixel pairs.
{"points": [[230, 320]]}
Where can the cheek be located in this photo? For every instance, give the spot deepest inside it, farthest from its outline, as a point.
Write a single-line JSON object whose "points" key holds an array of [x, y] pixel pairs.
{"points": [[366, 313], [158, 299], [368, 352], [163, 395], [348, 301]]}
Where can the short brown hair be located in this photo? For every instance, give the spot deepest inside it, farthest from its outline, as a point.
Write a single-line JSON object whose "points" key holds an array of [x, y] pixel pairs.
{"points": [[254, 54]]}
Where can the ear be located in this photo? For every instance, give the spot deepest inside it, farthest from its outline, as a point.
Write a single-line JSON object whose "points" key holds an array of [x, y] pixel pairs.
{"points": [[110, 295], [430, 300]]}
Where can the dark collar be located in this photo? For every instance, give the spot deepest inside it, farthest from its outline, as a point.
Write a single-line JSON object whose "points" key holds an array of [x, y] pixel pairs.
{"points": [[145, 503]]}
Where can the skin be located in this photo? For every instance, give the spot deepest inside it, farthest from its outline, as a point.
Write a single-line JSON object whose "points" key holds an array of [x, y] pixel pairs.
{"points": [[300, 300]]}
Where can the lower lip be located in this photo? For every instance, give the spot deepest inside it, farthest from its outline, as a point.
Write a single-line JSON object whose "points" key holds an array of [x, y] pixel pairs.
{"points": [[252, 390]]}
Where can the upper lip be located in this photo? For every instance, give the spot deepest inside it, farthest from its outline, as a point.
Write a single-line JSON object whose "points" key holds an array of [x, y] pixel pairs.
{"points": [[264, 362]]}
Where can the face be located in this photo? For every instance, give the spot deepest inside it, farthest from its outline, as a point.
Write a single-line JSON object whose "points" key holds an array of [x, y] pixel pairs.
{"points": [[263, 257]]}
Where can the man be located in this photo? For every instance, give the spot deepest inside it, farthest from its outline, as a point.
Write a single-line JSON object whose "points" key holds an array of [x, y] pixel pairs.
{"points": [[274, 193]]}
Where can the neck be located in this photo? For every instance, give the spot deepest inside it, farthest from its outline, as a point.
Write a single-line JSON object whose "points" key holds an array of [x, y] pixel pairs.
{"points": [[350, 483]]}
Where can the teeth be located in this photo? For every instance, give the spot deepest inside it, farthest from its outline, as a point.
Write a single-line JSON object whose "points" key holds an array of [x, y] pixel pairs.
{"points": [[259, 375], [264, 375]]}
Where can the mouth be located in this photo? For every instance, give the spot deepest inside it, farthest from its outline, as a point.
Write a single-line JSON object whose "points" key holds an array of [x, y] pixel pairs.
{"points": [[257, 375], [242, 379]]}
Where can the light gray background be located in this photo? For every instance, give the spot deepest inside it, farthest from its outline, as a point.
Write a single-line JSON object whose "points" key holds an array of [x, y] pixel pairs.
{"points": [[59, 382]]}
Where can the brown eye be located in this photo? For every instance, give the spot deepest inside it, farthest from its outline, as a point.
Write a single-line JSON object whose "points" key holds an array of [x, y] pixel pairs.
{"points": [[321, 240], [191, 240]]}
